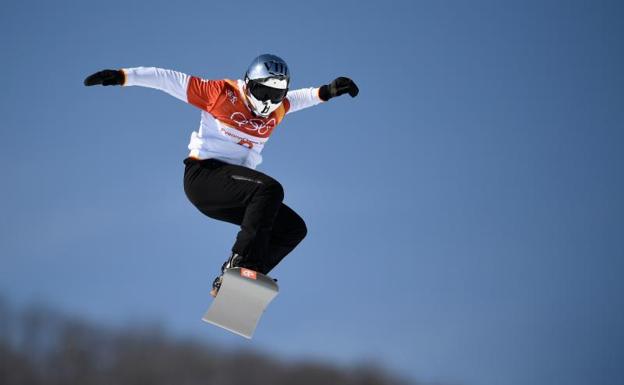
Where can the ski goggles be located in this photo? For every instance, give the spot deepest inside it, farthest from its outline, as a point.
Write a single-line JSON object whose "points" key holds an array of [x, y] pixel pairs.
{"points": [[265, 93]]}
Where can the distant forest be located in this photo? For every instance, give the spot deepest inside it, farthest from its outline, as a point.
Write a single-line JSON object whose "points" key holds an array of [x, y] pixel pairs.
{"points": [[40, 346]]}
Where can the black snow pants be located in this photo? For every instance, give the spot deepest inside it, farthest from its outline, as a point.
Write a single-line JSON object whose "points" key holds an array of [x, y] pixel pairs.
{"points": [[269, 229]]}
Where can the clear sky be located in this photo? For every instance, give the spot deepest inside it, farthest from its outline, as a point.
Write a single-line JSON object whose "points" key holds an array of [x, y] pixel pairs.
{"points": [[465, 211]]}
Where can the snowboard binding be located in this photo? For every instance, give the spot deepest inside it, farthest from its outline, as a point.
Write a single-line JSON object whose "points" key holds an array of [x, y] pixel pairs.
{"points": [[235, 260]]}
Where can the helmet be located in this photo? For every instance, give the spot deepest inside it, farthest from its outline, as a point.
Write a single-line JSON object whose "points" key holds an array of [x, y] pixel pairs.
{"points": [[266, 84]]}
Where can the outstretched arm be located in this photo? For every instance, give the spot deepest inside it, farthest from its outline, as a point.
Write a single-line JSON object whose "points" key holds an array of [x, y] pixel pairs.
{"points": [[172, 82], [199, 92]]}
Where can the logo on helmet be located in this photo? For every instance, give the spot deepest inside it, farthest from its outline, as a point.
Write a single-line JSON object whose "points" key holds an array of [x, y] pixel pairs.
{"points": [[276, 68]]}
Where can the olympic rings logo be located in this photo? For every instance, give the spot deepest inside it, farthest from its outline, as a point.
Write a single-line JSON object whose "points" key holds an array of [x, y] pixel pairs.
{"points": [[260, 126]]}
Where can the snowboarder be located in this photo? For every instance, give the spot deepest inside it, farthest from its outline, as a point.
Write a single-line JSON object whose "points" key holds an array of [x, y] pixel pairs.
{"points": [[237, 119]]}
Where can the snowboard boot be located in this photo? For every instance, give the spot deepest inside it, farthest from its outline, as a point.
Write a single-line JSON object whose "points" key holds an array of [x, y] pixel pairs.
{"points": [[235, 260]]}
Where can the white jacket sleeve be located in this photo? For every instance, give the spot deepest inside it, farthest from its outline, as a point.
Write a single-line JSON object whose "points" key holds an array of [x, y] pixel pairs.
{"points": [[172, 82], [303, 98]]}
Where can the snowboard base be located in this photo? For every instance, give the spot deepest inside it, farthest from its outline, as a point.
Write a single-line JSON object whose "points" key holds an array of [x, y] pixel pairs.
{"points": [[242, 298]]}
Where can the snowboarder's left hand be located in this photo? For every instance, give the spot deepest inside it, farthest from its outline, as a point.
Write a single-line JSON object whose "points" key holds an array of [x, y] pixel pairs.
{"points": [[105, 78], [339, 86]]}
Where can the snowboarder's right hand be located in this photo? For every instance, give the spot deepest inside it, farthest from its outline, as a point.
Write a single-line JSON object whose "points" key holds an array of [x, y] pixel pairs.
{"points": [[106, 78], [337, 87]]}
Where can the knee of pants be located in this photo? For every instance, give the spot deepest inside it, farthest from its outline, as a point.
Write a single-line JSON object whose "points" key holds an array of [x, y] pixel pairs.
{"points": [[300, 231], [274, 189]]}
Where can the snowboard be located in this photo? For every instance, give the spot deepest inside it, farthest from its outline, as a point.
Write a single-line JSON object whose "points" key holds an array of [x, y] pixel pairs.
{"points": [[243, 297]]}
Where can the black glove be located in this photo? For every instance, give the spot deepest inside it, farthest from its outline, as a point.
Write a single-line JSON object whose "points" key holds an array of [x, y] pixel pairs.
{"points": [[338, 87], [106, 78]]}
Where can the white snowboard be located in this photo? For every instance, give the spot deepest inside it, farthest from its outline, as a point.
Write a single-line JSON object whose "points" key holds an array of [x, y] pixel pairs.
{"points": [[242, 298]]}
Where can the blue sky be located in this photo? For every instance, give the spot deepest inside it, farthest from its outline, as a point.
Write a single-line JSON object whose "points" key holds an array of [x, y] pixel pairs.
{"points": [[464, 211]]}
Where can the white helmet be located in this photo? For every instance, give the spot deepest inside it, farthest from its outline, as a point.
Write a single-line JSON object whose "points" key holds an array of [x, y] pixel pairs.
{"points": [[266, 84]]}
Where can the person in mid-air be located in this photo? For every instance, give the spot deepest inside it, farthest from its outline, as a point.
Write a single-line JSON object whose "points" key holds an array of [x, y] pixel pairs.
{"points": [[237, 119]]}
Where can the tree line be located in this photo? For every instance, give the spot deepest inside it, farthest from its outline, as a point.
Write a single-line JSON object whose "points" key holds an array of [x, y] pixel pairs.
{"points": [[40, 346]]}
